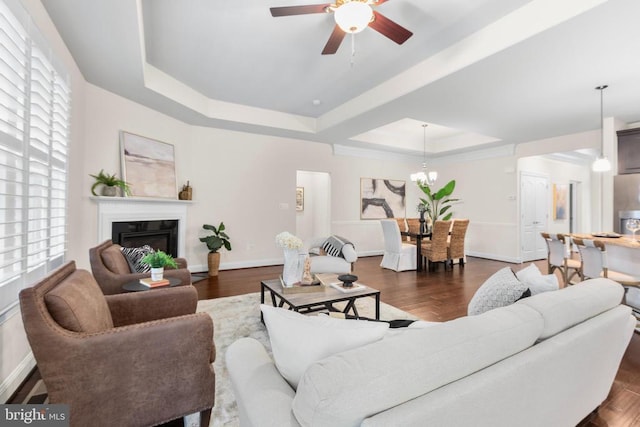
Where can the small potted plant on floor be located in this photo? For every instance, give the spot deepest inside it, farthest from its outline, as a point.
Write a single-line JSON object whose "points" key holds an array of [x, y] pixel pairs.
{"points": [[214, 243], [110, 184], [158, 260]]}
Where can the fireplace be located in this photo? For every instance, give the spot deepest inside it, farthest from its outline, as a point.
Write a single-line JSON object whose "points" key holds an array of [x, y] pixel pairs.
{"points": [[160, 235], [157, 213]]}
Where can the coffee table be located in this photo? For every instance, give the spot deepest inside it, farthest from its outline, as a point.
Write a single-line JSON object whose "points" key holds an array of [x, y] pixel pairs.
{"points": [[323, 299]]}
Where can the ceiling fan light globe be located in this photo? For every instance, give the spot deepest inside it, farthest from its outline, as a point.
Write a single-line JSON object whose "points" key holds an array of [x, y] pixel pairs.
{"points": [[602, 164], [353, 16]]}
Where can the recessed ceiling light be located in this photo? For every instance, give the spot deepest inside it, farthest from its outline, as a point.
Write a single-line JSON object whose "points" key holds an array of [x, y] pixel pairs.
{"points": [[316, 102]]}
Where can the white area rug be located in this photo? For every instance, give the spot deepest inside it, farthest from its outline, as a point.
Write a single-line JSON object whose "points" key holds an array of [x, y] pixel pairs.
{"points": [[239, 316]]}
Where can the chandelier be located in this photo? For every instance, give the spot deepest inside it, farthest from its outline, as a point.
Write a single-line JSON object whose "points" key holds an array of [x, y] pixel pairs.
{"points": [[601, 164], [424, 177]]}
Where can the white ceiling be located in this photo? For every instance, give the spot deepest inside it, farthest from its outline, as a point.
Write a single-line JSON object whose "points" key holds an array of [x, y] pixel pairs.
{"points": [[482, 73]]}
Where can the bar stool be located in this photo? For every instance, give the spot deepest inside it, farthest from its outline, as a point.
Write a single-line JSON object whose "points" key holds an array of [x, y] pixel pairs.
{"points": [[594, 264], [558, 257]]}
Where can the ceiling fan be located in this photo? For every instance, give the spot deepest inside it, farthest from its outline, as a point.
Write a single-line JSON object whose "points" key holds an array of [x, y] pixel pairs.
{"points": [[352, 16]]}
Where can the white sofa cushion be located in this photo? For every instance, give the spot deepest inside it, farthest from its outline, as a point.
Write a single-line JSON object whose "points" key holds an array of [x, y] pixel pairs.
{"points": [[575, 304], [298, 340], [536, 281], [499, 290], [344, 389]]}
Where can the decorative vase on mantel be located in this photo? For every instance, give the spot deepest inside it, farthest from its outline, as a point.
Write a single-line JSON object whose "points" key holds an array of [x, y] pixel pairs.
{"points": [[292, 269]]}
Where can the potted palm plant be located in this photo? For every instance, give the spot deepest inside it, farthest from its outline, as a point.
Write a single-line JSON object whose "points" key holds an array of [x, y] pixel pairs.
{"points": [[158, 260], [110, 184], [215, 242], [437, 204]]}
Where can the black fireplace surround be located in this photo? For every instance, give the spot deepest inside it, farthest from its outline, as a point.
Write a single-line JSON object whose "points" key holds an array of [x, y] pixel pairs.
{"points": [[160, 235]]}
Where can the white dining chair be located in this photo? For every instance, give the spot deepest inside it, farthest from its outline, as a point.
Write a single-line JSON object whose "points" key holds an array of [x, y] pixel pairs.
{"points": [[398, 256]]}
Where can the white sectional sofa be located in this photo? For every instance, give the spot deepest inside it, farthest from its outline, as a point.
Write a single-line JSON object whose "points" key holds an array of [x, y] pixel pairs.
{"points": [[547, 360]]}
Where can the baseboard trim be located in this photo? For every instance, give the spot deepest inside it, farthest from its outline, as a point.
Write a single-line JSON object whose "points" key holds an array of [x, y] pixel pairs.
{"points": [[199, 268], [15, 378], [512, 260]]}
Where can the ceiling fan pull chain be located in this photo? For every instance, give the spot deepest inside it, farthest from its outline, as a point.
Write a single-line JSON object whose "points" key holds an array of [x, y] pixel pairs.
{"points": [[353, 49]]}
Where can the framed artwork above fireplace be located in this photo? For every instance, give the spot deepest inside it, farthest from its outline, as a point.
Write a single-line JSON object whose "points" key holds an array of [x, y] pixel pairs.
{"points": [[149, 166]]}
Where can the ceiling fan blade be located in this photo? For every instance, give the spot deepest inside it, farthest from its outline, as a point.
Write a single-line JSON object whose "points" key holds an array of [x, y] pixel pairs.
{"points": [[334, 41], [299, 10], [390, 29]]}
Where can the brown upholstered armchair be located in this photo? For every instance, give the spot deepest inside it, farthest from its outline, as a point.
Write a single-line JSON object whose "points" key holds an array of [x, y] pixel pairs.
{"points": [[111, 270], [133, 359]]}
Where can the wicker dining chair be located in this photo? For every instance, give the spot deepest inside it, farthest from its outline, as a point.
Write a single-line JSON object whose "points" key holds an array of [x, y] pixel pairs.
{"points": [[413, 225], [402, 225], [456, 242], [435, 250]]}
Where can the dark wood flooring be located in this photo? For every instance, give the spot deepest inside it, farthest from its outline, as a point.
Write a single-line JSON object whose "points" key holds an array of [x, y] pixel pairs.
{"points": [[437, 296]]}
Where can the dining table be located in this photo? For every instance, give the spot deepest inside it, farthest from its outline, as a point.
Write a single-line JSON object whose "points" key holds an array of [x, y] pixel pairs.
{"points": [[623, 251], [418, 236]]}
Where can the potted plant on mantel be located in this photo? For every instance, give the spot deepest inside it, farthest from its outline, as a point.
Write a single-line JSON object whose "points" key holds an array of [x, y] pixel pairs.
{"points": [[158, 260], [215, 242], [110, 184]]}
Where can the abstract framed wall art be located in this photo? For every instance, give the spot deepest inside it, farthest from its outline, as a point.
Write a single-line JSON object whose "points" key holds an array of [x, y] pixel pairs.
{"points": [[149, 166], [560, 199], [382, 198]]}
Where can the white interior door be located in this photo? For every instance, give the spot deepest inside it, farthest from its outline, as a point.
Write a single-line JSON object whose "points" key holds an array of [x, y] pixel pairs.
{"points": [[534, 211]]}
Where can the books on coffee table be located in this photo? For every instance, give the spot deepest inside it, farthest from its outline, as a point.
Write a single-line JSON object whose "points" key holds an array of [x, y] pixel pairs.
{"points": [[353, 288], [154, 283]]}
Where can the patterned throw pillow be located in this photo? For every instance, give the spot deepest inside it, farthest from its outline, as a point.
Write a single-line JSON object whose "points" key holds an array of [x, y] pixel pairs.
{"points": [[134, 257], [499, 290], [536, 281]]}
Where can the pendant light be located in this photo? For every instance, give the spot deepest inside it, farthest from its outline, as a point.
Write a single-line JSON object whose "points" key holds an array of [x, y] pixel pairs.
{"points": [[601, 164], [424, 177]]}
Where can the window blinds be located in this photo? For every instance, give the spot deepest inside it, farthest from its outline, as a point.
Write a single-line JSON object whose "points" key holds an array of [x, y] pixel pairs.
{"points": [[34, 135]]}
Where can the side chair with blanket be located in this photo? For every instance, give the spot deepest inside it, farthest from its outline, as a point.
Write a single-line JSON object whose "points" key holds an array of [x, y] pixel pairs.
{"points": [[333, 254]]}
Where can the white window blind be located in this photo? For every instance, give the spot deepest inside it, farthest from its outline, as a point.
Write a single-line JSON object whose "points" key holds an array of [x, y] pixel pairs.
{"points": [[34, 135]]}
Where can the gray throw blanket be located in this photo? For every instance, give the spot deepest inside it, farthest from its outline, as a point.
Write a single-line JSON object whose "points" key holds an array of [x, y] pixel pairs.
{"points": [[334, 244]]}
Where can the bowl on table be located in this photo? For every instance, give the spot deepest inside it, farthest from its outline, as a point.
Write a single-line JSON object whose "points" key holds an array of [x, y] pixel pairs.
{"points": [[347, 280]]}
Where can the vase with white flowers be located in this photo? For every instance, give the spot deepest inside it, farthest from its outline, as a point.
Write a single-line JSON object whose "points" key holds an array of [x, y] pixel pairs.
{"points": [[293, 259]]}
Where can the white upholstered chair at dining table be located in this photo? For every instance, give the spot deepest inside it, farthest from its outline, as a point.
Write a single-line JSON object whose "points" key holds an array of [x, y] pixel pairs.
{"points": [[398, 255]]}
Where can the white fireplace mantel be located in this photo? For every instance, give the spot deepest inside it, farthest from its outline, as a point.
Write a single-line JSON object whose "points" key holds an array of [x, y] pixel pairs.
{"points": [[120, 209]]}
